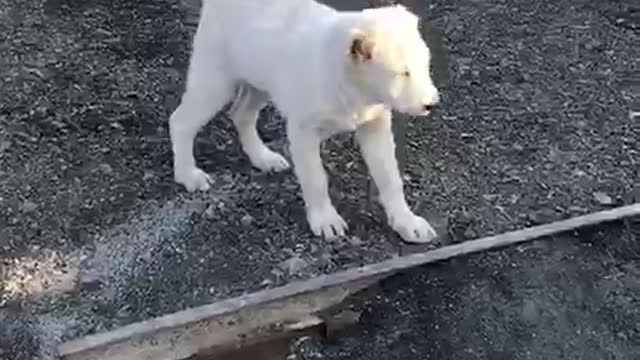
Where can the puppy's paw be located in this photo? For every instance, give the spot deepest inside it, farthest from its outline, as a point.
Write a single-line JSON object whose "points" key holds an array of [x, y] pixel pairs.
{"points": [[193, 179], [326, 222], [270, 161], [412, 228]]}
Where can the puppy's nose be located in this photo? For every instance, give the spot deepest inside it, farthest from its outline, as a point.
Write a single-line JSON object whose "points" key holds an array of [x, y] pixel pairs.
{"points": [[430, 101]]}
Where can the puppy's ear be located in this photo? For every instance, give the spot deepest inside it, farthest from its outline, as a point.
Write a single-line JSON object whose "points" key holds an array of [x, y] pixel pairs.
{"points": [[361, 46]]}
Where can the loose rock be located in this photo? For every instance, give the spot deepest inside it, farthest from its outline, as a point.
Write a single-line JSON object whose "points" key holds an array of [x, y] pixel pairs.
{"points": [[602, 198], [293, 265]]}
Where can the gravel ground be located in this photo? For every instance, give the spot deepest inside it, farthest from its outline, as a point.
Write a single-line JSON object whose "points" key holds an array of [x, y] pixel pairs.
{"points": [[573, 297], [535, 126]]}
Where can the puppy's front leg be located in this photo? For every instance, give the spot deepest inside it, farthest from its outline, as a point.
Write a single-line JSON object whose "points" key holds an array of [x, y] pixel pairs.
{"points": [[377, 146], [321, 214]]}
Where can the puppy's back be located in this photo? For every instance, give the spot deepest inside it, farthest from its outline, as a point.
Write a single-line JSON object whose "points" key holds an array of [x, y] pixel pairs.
{"points": [[257, 39], [258, 14]]}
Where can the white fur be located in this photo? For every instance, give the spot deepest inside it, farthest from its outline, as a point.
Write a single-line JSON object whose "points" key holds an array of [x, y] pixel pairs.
{"points": [[297, 53]]}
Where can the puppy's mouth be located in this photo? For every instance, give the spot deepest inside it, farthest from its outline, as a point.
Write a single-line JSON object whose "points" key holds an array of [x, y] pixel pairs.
{"points": [[425, 110], [418, 112], [422, 110]]}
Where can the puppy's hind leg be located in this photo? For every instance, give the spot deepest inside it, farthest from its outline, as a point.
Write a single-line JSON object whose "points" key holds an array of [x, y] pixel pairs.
{"points": [[244, 113], [208, 89]]}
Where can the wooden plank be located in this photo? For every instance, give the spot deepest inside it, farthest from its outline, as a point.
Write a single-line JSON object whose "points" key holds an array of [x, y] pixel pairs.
{"points": [[182, 334], [229, 323]]}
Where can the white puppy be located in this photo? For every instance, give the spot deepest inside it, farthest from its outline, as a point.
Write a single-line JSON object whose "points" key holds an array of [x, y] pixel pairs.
{"points": [[327, 72]]}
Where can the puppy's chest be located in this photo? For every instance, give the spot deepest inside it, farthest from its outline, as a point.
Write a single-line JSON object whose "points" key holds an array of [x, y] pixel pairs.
{"points": [[341, 122], [330, 126]]}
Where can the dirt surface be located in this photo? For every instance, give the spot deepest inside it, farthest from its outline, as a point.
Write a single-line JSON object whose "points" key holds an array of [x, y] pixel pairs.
{"points": [[535, 126], [572, 297]]}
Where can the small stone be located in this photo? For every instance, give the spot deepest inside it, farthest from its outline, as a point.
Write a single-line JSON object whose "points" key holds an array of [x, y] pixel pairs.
{"points": [[105, 168], [210, 212], [293, 265], [577, 209], [355, 241], [542, 217], [247, 220], [469, 233], [148, 175], [276, 273], [490, 197], [124, 310], [28, 206], [579, 173], [602, 198]]}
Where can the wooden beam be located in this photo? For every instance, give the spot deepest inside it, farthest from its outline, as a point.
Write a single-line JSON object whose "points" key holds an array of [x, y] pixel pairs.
{"points": [[249, 318]]}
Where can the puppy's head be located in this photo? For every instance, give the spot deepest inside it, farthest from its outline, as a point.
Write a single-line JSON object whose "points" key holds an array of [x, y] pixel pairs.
{"points": [[389, 57]]}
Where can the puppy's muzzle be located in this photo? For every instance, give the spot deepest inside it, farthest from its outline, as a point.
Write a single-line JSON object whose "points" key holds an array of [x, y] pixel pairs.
{"points": [[430, 102]]}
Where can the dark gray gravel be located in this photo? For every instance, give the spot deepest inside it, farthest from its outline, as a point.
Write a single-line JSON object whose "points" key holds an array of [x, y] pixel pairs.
{"points": [[534, 127], [571, 297]]}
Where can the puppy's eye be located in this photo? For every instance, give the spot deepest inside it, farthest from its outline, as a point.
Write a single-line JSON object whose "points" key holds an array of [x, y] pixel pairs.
{"points": [[406, 73]]}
